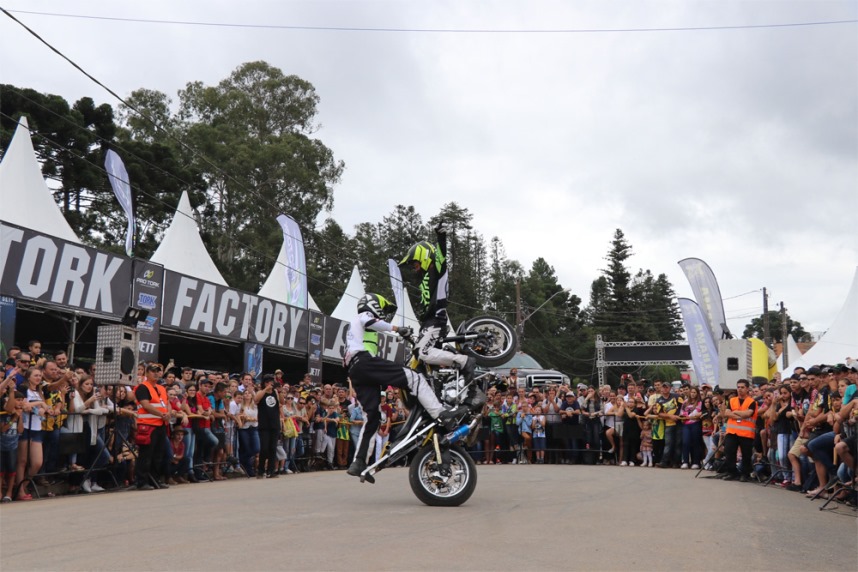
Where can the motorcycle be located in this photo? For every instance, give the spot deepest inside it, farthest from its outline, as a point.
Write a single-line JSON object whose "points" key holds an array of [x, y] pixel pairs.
{"points": [[442, 473]]}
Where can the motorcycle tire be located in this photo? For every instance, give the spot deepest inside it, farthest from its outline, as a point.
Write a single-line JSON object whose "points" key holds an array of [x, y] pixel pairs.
{"points": [[434, 490], [505, 340]]}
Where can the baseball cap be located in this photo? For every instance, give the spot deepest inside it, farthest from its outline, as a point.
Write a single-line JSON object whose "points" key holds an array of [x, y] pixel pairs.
{"points": [[570, 394]]}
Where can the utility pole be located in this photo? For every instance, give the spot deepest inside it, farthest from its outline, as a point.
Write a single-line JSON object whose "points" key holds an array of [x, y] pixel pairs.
{"points": [[767, 338], [784, 329], [519, 326]]}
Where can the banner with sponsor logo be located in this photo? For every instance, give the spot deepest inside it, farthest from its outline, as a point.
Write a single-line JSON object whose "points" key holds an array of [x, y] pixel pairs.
{"points": [[704, 356], [390, 346], [253, 359], [8, 307], [194, 305], [315, 346], [708, 295], [396, 284], [296, 265], [42, 268], [147, 294]]}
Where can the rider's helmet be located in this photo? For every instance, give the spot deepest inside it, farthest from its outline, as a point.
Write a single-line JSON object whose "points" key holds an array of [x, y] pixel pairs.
{"points": [[421, 253], [377, 305]]}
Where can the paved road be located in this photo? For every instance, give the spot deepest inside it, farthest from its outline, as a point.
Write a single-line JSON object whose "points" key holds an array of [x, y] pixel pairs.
{"points": [[520, 518]]}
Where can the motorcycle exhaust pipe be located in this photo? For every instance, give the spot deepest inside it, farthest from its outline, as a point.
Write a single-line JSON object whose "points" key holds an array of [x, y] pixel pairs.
{"points": [[461, 432]]}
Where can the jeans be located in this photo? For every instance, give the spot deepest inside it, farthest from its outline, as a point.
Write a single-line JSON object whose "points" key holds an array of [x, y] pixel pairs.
{"points": [[692, 437], [822, 450], [669, 445], [248, 448], [51, 450]]}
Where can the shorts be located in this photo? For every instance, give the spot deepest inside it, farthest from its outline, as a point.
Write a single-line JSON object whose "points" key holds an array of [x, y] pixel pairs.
{"points": [[9, 460], [34, 435], [539, 443], [796, 448], [221, 441]]}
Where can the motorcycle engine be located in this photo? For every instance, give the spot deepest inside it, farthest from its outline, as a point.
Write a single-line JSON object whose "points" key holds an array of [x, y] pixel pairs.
{"points": [[454, 390]]}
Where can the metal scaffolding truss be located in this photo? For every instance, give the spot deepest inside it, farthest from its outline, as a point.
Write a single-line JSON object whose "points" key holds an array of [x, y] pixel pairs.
{"points": [[602, 363]]}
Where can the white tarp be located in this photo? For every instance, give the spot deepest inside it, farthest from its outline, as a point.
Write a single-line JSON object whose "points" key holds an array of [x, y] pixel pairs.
{"points": [[793, 354], [25, 197], [182, 249]]}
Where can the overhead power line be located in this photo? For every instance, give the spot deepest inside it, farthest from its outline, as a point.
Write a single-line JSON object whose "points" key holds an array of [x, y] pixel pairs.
{"points": [[382, 29]]}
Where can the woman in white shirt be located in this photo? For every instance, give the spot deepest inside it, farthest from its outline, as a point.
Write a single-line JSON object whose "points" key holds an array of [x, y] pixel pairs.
{"points": [[247, 418], [30, 441]]}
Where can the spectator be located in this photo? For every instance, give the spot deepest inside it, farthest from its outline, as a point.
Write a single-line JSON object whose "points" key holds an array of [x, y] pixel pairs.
{"points": [[219, 418], [570, 412], [30, 441], [538, 425], [524, 419], [268, 404], [668, 409], [741, 418], [247, 418], [180, 464], [508, 413], [153, 416], [690, 416], [633, 411], [11, 426], [646, 441], [290, 432], [206, 441], [591, 414]]}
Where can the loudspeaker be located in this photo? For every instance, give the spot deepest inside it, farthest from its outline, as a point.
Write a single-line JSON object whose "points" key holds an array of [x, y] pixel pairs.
{"points": [[116, 354], [734, 361]]}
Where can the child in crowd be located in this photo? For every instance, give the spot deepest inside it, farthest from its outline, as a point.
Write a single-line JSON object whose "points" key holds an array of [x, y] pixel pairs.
{"points": [[646, 444], [11, 425], [538, 427]]}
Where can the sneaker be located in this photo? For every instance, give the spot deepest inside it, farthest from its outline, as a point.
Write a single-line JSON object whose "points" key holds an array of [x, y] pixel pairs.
{"points": [[145, 487], [624, 464], [86, 486], [289, 472], [467, 370], [96, 489], [449, 418], [695, 466], [515, 461], [684, 466], [611, 451], [793, 487], [356, 468], [4, 500]]}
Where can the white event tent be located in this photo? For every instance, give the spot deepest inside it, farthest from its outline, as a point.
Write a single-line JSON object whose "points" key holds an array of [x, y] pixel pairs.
{"points": [[346, 309], [793, 354], [182, 249], [839, 341], [27, 201], [275, 286]]}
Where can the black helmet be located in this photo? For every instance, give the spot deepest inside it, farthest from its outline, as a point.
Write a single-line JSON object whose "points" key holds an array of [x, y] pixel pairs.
{"points": [[377, 305], [422, 252]]}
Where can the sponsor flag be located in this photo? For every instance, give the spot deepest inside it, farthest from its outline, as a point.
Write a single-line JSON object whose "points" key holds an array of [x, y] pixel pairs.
{"points": [[703, 352], [122, 189], [296, 263], [396, 284], [707, 294]]}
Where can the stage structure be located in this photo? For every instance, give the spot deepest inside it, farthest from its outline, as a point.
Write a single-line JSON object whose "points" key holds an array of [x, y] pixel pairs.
{"points": [[674, 352]]}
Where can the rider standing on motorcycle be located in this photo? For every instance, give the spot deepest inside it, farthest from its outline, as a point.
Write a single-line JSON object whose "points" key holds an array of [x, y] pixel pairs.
{"points": [[430, 262], [370, 373]]}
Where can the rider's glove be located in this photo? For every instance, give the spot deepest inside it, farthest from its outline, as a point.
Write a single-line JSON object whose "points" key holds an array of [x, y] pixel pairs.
{"points": [[404, 331], [441, 227]]}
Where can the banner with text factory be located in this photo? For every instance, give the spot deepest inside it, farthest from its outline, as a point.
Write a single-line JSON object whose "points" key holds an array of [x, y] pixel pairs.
{"points": [[53, 271], [194, 305]]}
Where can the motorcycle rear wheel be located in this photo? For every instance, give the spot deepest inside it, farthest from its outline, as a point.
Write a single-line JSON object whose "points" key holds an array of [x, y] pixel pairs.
{"points": [[434, 489], [500, 351]]}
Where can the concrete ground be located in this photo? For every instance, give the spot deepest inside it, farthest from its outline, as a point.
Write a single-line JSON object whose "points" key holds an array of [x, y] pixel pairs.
{"points": [[520, 518]]}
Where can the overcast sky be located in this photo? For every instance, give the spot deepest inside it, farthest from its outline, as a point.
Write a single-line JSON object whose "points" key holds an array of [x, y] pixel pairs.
{"points": [[737, 146]]}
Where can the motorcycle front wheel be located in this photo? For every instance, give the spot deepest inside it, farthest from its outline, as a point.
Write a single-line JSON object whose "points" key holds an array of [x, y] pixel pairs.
{"points": [[501, 337], [434, 485]]}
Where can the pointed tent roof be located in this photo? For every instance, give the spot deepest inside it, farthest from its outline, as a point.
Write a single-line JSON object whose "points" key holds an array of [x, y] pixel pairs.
{"points": [[793, 354], [346, 309], [275, 286], [841, 339], [23, 190], [182, 249]]}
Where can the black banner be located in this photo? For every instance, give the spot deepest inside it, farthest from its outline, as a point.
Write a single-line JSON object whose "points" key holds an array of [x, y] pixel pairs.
{"points": [[147, 294], [390, 346], [316, 343], [193, 305], [60, 273]]}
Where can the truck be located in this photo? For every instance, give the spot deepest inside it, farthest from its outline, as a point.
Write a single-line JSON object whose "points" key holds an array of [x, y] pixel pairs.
{"points": [[530, 372]]}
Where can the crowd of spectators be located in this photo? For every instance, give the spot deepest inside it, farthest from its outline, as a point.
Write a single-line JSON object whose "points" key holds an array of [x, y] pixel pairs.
{"points": [[57, 426]]}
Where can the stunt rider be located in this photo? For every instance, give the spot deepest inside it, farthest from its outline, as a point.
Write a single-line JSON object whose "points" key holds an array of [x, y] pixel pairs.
{"points": [[430, 262], [370, 374]]}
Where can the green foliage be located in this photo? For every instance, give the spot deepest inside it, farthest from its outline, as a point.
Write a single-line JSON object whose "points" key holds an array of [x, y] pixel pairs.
{"points": [[754, 329]]}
